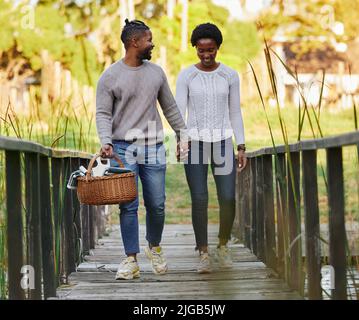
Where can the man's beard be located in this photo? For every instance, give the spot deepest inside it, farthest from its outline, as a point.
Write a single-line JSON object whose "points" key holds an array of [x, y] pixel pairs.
{"points": [[146, 55]]}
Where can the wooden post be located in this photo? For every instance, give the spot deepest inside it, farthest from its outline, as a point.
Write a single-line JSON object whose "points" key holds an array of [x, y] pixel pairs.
{"points": [[294, 222], [281, 191], [312, 224], [92, 224], [253, 206], [48, 248], [75, 164], [337, 236], [246, 205], [14, 224], [57, 196], [33, 221], [270, 244], [85, 222], [237, 229], [68, 222], [260, 210]]}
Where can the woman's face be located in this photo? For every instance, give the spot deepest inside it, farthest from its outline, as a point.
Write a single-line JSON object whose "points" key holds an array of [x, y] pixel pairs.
{"points": [[207, 51]]}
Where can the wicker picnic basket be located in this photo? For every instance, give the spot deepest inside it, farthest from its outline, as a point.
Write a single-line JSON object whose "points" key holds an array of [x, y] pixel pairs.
{"points": [[114, 189]]}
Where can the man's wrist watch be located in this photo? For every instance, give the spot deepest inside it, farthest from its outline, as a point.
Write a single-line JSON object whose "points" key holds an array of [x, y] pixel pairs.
{"points": [[241, 147]]}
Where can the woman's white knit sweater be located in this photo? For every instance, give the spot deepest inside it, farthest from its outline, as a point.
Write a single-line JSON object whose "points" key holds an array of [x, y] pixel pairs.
{"points": [[210, 103]]}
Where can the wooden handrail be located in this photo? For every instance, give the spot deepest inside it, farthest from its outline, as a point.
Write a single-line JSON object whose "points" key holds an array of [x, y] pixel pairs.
{"points": [[268, 217], [52, 212], [342, 140], [15, 144]]}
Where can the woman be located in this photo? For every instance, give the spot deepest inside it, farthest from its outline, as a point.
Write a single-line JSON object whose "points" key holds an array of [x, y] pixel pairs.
{"points": [[208, 92]]}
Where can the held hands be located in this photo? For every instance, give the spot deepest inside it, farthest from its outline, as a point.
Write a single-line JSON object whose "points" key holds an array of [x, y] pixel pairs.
{"points": [[182, 150], [106, 151]]}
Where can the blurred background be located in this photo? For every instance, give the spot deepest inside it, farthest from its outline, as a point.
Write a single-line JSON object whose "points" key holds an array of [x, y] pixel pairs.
{"points": [[53, 52]]}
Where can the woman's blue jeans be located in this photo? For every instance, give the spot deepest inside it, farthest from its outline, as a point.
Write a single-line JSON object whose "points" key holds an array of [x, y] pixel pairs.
{"points": [[149, 163], [221, 157]]}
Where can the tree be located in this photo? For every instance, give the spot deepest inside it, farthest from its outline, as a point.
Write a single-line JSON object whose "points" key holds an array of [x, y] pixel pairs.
{"points": [[312, 21]]}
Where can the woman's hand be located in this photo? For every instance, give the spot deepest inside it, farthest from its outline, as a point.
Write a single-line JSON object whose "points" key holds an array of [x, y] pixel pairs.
{"points": [[182, 150], [242, 160]]}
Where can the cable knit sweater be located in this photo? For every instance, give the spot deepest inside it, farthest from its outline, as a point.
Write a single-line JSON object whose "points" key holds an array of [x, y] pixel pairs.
{"points": [[212, 102]]}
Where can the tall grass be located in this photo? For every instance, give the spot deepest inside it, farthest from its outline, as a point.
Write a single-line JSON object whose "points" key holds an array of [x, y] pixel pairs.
{"points": [[61, 124], [305, 112]]}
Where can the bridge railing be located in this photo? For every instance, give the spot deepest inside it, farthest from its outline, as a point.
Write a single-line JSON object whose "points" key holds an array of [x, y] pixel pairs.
{"points": [[47, 230], [269, 212]]}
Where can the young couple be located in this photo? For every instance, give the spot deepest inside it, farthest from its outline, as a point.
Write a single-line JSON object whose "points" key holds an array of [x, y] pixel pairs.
{"points": [[206, 111]]}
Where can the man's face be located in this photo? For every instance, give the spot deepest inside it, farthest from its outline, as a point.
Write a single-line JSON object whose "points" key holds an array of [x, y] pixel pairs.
{"points": [[207, 51], [145, 45]]}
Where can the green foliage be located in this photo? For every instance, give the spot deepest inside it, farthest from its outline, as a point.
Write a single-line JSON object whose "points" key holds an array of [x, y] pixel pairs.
{"points": [[311, 21], [347, 11]]}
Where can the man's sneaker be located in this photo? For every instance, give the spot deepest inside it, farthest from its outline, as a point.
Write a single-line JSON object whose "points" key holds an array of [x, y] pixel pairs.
{"points": [[128, 269], [223, 254], [158, 262], [204, 263]]}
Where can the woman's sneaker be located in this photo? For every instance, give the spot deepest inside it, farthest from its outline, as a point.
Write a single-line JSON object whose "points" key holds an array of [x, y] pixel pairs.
{"points": [[224, 257], [128, 269], [204, 263], [158, 262]]}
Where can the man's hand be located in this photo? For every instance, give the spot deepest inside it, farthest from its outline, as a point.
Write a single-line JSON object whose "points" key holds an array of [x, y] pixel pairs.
{"points": [[106, 151], [182, 150], [242, 160]]}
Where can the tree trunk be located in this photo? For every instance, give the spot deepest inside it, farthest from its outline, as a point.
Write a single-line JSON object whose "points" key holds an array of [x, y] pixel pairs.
{"points": [[123, 15], [184, 26], [131, 10]]}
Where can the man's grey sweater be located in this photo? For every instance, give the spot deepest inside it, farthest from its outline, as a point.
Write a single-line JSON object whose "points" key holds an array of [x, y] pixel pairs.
{"points": [[126, 104]]}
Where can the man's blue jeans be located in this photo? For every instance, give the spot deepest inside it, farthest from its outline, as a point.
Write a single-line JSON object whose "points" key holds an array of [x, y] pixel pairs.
{"points": [[149, 163]]}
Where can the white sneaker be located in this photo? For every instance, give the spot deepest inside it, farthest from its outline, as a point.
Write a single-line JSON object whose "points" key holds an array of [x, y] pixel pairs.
{"points": [[223, 255], [158, 262], [128, 269], [204, 265]]}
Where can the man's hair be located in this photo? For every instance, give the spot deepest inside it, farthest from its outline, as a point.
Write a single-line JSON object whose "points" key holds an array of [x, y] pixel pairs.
{"points": [[132, 29], [206, 31]]}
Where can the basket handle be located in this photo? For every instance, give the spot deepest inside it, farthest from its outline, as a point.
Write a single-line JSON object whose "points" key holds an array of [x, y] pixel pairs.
{"points": [[115, 155]]}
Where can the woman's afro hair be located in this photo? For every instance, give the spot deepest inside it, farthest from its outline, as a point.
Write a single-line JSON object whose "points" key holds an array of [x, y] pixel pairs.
{"points": [[206, 31]]}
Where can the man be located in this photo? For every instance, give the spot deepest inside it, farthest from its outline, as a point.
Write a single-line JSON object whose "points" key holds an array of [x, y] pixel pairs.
{"points": [[128, 123]]}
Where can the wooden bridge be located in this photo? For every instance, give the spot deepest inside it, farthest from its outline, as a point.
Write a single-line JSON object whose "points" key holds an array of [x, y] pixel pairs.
{"points": [[49, 230]]}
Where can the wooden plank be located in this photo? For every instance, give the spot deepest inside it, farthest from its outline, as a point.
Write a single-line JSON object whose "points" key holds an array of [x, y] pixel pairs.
{"points": [[346, 139], [92, 226], [238, 226], [69, 238], [260, 210], [57, 199], [248, 277], [47, 238], [14, 224], [172, 276], [20, 145], [312, 226], [294, 222], [337, 235], [253, 213], [270, 239], [246, 205], [281, 195], [77, 225], [85, 222], [33, 219]]}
